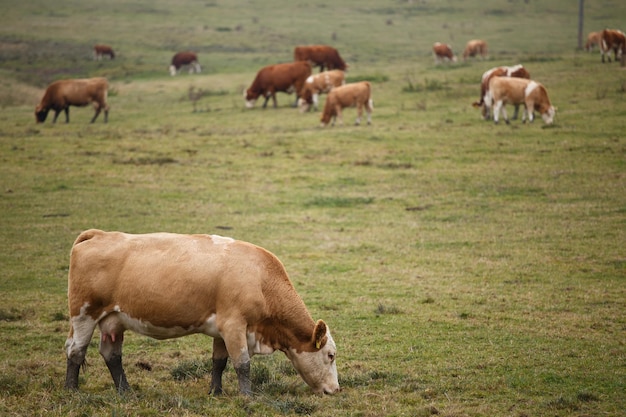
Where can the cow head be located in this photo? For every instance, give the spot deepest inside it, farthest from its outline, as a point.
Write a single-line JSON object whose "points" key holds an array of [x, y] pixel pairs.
{"points": [[250, 98], [548, 117], [316, 365], [41, 114]]}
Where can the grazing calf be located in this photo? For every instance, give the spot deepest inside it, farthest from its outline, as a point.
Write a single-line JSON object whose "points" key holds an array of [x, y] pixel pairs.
{"points": [[60, 95], [349, 95], [593, 40], [474, 48], [185, 58], [100, 50], [516, 71], [287, 78], [323, 56], [505, 90], [443, 52], [319, 84], [612, 40], [166, 285]]}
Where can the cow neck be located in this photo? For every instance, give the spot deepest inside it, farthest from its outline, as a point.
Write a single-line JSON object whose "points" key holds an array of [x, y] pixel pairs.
{"points": [[289, 324]]}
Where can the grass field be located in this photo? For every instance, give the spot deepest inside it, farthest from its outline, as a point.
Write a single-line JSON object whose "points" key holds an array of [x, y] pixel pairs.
{"points": [[464, 268]]}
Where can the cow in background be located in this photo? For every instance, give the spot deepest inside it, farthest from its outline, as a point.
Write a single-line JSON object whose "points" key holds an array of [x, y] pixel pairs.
{"points": [[357, 95], [516, 71], [443, 52], [287, 78], [322, 56], [185, 58], [62, 94], [612, 40], [593, 40], [475, 47], [533, 95], [319, 84], [101, 50]]}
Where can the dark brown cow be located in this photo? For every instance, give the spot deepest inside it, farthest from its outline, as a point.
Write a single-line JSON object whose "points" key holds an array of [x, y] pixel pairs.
{"points": [[287, 78], [166, 285], [185, 58], [516, 71], [612, 40], [323, 56], [443, 52], [474, 48], [101, 50], [60, 95]]}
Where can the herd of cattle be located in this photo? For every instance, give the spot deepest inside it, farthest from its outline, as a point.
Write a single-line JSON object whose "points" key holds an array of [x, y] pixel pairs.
{"points": [[296, 77]]}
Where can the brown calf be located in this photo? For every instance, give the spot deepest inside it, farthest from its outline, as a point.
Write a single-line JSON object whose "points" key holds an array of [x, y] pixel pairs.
{"points": [[349, 95], [319, 84]]}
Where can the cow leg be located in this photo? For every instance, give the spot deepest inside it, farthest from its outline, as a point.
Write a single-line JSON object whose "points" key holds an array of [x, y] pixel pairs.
{"points": [[339, 115], [220, 358], [496, 111], [369, 109], [111, 341], [316, 98], [237, 345], [95, 116], [81, 331], [505, 115], [359, 113], [515, 112]]}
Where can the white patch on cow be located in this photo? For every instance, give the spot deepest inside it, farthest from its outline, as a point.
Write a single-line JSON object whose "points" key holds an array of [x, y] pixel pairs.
{"points": [[530, 88], [221, 240], [511, 70], [83, 326], [256, 347], [310, 79], [172, 70], [158, 332]]}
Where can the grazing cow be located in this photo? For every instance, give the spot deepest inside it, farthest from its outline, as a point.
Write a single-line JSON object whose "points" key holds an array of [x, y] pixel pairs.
{"points": [[612, 40], [166, 285], [593, 40], [60, 95], [100, 50], [443, 52], [185, 58], [516, 71], [504, 90], [474, 48], [349, 95], [287, 78], [322, 56], [318, 84]]}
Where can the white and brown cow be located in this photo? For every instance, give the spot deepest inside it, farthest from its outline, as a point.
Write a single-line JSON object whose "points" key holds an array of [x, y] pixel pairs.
{"points": [[182, 59], [357, 95], [475, 47], [287, 78], [593, 40], [323, 56], [101, 50], [62, 94], [443, 52], [319, 84], [515, 71], [612, 40], [533, 95], [166, 285]]}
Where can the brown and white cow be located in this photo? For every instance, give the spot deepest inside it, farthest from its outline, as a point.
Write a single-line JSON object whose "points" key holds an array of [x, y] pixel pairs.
{"points": [[62, 94], [443, 52], [357, 95], [593, 40], [101, 50], [166, 285], [533, 95], [287, 78], [612, 40], [475, 47], [319, 84], [185, 58], [323, 56], [515, 71]]}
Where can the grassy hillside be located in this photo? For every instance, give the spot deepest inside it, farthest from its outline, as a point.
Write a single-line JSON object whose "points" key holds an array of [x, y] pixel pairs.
{"points": [[465, 269]]}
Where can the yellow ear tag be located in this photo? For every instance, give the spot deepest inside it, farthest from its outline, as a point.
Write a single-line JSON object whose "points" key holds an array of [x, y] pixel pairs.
{"points": [[318, 344]]}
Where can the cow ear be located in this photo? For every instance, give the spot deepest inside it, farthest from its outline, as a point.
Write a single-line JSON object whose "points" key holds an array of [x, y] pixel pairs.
{"points": [[319, 334]]}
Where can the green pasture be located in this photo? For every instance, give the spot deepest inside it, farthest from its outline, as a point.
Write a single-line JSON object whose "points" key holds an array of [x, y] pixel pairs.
{"points": [[464, 268]]}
